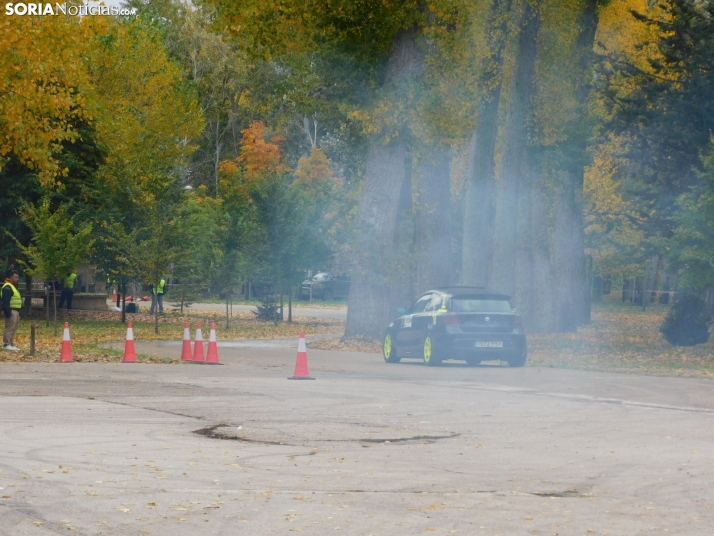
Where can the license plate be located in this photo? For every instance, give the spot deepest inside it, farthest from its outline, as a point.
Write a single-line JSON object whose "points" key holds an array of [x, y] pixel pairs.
{"points": [[489, 344]]}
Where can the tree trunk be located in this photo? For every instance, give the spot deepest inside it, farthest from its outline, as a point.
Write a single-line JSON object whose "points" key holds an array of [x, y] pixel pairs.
{"points": [[123, 302], [568, 255], [523, 295], [478, 197], [290, 305], [570, 264], [379, 212], [28, 298], [480, 185], [369, 311], [541, 318], [504, 245], [401, 269], [54, 299], [434, 263]]}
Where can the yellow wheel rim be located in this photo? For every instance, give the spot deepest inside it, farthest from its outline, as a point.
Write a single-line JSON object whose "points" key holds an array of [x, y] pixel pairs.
{"points": [[388, 346], [427, 349]]}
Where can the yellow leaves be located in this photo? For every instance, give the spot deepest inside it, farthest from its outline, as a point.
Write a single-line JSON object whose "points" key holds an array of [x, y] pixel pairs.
{"points": [[621, 338], [42, 68], [621, 34], [315, 176], [147, 117]]}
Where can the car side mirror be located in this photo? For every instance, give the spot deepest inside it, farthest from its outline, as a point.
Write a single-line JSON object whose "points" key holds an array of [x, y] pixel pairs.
{"points": [[402, 310]]}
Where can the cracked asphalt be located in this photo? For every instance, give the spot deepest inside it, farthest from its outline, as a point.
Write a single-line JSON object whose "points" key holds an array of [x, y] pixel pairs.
{"points": [[367, 448]]}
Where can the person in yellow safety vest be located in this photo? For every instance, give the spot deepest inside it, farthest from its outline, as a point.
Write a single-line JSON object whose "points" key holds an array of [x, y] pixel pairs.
{"points": [[67, 291], [11, 305], [157, 295]]}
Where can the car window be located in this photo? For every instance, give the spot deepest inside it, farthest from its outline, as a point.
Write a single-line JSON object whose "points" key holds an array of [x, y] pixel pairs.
{"points": [[420, 304], [472, 304], [435, 303]]}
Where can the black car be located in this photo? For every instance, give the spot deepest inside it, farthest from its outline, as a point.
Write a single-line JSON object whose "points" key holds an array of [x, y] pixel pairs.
{"points": [[326, 286], [466, 323]]}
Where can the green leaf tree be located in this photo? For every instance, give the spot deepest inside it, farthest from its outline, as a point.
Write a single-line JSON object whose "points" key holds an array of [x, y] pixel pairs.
{"points": [[58, 243]]}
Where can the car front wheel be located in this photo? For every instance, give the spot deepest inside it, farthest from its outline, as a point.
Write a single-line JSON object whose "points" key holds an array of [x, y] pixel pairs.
{"points": [[389, 351], [428, 353]]}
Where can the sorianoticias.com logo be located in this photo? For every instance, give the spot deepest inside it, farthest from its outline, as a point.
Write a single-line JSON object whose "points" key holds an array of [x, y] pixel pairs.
{"points": [[85, 10]]}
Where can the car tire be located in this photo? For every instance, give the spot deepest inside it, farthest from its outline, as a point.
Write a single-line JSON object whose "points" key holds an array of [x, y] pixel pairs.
{"points": [[327, 295], [389, 351], [518, 360], [429, 355]]}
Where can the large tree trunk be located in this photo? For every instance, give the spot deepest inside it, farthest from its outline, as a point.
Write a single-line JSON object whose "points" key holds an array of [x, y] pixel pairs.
{"points": [[504, 245], [541, 317], [570, 263], [480, 185], [478, 197], [434, 262], [380, 208], [568, 255], [369, 301], [400, 272]]}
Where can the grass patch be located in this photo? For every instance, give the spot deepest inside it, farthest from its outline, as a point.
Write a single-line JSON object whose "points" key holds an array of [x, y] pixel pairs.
{"points": [[621, 338], [92, 330]]}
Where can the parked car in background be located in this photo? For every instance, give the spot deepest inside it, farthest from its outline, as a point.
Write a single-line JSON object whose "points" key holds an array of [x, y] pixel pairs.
{"points": [[466, 323], [326, 286]]}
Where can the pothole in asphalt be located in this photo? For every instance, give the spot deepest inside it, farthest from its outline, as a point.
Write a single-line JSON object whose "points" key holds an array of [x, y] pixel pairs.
{"points": [[561, 494], [233, 433]]}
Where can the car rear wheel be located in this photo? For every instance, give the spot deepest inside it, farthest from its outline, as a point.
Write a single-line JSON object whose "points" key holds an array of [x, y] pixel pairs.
{"points": [[518, 360], [389, 351], [428, 354]]}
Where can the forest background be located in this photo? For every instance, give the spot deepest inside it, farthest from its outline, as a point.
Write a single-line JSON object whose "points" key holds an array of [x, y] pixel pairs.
{"points": [[540, 148]]}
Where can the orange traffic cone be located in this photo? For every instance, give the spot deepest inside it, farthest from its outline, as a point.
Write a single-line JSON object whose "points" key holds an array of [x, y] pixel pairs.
{"points": [[66, 355], [129, 353], [114, 296], [186, 350], [198, 347], [212, 355], [301, 372]]}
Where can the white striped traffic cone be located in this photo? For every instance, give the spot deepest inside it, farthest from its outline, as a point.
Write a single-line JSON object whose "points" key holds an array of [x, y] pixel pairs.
{"points": [[66, 355], [198, 346], [186, 349], [129, 352]]}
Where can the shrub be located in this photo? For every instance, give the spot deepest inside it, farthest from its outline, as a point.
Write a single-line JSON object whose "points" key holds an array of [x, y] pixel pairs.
{"points": [[268, 309], [687, 322]]}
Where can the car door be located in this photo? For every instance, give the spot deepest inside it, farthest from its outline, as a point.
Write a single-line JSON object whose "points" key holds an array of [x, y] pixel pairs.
{"points": [[421, 322], [409, 335]]}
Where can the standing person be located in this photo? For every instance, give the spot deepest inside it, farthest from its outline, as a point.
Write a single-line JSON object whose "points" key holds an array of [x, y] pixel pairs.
{"points": [[157, 294], [11, 305], [67, 291]]}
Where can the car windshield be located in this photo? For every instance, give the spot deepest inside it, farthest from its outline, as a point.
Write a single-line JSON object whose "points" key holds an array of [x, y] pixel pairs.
{"points": [[473, 304]]}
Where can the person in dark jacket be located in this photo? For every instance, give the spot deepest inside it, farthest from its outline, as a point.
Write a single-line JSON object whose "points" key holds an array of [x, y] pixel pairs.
{"points": [[11, 305]]}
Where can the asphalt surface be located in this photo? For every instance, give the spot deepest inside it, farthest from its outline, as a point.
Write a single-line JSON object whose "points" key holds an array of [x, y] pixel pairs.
{"points": [[366, 448]]}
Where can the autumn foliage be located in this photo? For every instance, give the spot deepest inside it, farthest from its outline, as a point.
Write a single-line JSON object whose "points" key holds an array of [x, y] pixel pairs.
{"points": [[257, 155]]}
